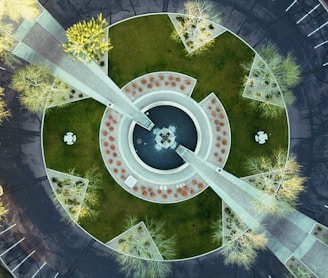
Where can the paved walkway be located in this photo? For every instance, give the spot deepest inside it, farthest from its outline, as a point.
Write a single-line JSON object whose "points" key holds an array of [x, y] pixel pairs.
{"points": [[66, 249], [288, 236], [150, 184], [156, 185], [40, 44]]}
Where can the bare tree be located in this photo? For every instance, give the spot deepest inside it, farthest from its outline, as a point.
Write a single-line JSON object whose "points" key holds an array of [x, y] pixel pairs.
{"points": [[4, 112], [138, 258], [91, 197], [3, 211], [267, 109], [7, 43], [279, 178], [285, 69], [201, 9], [271, 204], [136, 267], [156, 230], [240, 244], [164, 245], [194, 26], [243, 250], [9, 59], [19, 9], [36, 85], [269, 79]]}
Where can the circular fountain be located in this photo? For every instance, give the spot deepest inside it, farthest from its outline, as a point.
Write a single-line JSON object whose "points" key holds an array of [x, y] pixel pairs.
{"points": [[173, 127], [165, 138], [145, 162]]}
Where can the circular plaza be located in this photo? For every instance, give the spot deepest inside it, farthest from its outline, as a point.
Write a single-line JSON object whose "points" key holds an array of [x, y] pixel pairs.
{"points": [[141, 174], [139, 159]]}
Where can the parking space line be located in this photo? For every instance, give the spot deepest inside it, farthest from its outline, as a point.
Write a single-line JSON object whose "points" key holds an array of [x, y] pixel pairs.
{"points": [[12, 226], [317, 6], [17, 266], [56, 275], [320, 44], [291, 5], [325, 64], [36, 273], [316, 30], [13, 246]]}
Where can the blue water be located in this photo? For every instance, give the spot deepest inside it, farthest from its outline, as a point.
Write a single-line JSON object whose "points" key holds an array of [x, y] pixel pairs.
{"points": [[144, 140]]}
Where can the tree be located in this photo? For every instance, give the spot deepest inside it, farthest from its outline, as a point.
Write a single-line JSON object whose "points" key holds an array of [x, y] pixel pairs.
{"points": [[217, 233], [285, 69], [270, 164], [267, 109], [195, 27], [7, 43], [243, 250], [136, 267], [279, 178], [268, 80], [164, 245], [36, 85], [271, 204], [78, 196], [19, 9], [87, 40], [3, 211], [4, 112], [156, 230], [240, 244], [138, 257], [9, 59], [91, 197], [201, 9]]}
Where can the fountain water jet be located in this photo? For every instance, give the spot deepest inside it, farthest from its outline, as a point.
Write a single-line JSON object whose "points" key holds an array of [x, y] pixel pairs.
{"points": [[165, 138]]}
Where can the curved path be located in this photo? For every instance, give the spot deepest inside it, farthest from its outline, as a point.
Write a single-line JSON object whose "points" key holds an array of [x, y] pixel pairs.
{"points": [[36, 242]]}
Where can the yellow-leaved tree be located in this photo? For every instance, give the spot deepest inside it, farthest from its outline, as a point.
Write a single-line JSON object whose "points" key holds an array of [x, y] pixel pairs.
{"points": [[87, 40]]}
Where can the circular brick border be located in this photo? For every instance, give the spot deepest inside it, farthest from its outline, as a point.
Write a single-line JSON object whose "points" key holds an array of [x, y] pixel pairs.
{"points": [[155, 185]]}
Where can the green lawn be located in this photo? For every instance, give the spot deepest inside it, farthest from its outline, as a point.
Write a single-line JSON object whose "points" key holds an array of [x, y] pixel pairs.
{"points": [[218, 70], [189, 221], [143, 45]]}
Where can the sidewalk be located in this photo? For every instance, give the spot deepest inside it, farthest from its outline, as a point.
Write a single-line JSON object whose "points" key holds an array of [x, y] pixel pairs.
{"points": [[288, 235]]}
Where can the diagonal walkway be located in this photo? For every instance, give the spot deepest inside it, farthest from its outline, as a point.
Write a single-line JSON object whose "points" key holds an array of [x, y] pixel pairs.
{"points": [[288, 235], [254, 21], [39, 44]]}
